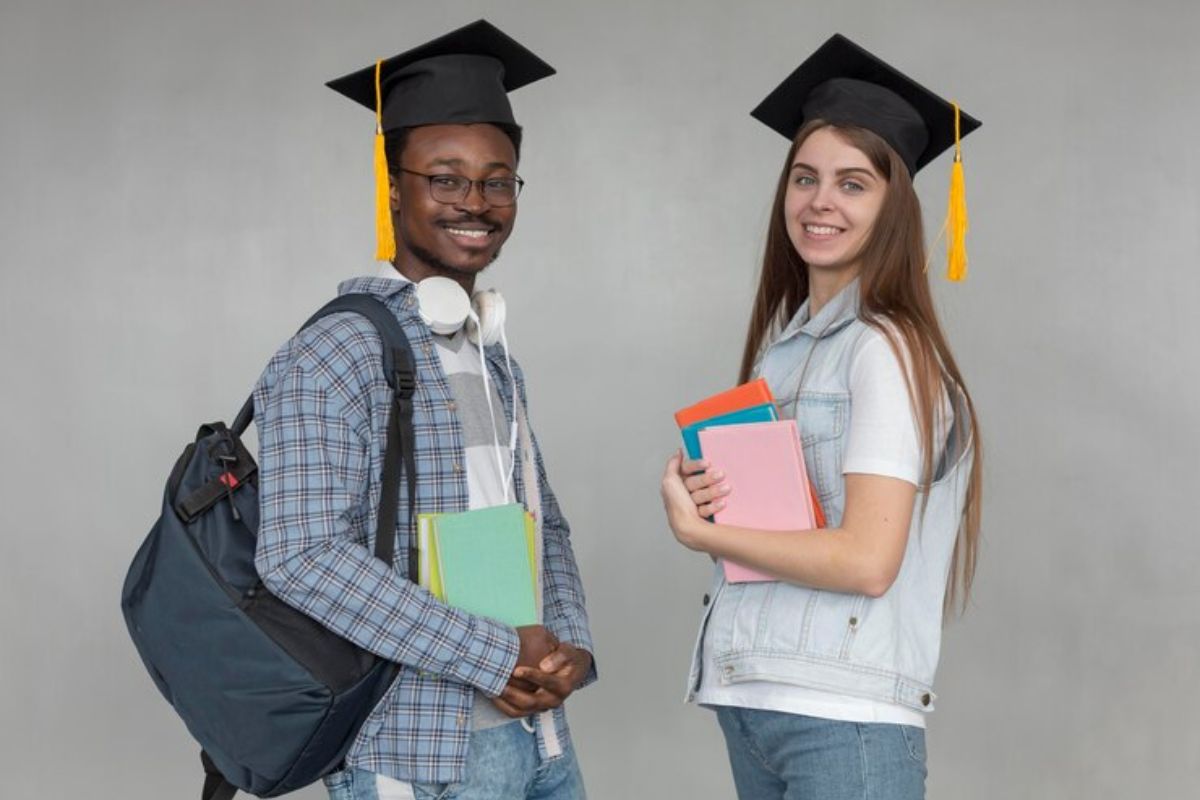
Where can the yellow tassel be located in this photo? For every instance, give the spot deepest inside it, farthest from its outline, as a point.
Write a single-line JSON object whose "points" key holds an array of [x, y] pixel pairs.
{"points": [[385, 235], [956, 214]]}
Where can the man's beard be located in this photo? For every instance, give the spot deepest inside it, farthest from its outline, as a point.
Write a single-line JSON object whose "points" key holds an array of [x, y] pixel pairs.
{"points": [[441, 267], [437, 265]]}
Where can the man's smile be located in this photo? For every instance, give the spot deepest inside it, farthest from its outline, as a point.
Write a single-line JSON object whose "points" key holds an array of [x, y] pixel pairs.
{"points": [[472, 234]]}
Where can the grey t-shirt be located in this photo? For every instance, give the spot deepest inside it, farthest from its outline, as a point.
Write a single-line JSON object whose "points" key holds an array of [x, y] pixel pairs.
{"points": [[481, 428]]}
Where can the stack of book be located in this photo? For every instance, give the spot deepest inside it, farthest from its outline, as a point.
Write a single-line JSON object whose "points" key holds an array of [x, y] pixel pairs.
{"points": [[738, 432], [484, 561]]}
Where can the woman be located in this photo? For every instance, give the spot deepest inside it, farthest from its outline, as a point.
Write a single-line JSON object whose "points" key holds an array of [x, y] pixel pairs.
{"points": [[821, 680]]}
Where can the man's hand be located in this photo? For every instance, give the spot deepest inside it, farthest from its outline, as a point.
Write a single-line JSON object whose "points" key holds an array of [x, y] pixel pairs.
{"points": [[536, 643], [535, 689]]}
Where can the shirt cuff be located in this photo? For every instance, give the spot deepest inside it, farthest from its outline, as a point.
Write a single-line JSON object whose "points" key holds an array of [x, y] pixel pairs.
{"points": [[488, 658]]}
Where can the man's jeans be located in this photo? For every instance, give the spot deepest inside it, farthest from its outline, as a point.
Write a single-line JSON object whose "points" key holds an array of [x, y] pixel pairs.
{"points": [[779, 756], [502, 764]]}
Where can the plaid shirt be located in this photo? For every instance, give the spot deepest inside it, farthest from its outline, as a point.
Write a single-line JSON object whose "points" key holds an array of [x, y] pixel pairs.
{"points": [[321, 408]]}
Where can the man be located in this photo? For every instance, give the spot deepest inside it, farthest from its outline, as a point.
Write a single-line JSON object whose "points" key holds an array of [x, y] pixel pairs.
{"points": [[476, 704]]}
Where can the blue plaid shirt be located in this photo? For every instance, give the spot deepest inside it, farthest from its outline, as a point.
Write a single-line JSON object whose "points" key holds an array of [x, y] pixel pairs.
{"points": [[321, 409]]}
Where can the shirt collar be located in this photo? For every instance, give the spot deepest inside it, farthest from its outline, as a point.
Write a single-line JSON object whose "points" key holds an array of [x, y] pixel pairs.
{"points": [[386, 282], [388, 270], [841, 309]]}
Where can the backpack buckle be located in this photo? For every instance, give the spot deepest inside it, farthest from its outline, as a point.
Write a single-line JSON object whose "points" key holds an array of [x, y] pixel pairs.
{"points": [[406, 384]]}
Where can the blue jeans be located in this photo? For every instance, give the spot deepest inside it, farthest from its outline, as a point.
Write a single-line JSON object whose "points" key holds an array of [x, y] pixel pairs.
{"points": [[775, 755], [502, 764]]}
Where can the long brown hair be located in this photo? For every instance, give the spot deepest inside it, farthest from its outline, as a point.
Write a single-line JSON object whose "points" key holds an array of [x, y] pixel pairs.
{"points": [[895, 299]]}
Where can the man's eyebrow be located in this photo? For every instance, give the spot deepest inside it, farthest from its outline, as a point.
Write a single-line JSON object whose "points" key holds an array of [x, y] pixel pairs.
{"points": [[458, 162]]}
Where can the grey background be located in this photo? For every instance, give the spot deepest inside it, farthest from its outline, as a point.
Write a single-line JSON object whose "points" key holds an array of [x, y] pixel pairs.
{"points": [[178, 190]]}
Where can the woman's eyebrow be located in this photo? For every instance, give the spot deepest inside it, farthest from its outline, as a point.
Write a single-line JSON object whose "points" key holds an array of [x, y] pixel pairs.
{"points": [[856, 170], [840, 172]]}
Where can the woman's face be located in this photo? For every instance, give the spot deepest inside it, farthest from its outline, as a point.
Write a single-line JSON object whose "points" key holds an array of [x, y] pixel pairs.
{"points": [[833, 198]]}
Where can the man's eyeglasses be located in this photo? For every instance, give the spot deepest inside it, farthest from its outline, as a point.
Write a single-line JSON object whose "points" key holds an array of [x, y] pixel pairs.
{"points": [[450, 189]]}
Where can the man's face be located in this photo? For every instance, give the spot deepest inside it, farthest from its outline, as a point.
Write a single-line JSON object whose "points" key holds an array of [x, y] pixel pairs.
{"points": [[457, 240]]}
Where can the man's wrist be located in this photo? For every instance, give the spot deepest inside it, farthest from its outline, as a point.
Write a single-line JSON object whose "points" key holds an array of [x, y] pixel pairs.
{"points": [[585, 667]]}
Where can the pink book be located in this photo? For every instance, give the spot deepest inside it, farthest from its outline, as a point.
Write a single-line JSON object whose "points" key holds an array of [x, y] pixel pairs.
{"points": [[764, 464]]}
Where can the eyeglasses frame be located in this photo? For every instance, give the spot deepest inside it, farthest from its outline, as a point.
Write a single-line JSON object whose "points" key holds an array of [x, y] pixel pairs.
{"points": [[471, 184]]}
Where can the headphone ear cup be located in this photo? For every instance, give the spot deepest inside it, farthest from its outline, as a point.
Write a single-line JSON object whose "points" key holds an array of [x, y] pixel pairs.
{"points": [[442, 304], [489, 307]]}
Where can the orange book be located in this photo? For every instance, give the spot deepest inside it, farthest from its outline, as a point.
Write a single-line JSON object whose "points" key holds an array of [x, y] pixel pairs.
{"points": [[754, 393]]}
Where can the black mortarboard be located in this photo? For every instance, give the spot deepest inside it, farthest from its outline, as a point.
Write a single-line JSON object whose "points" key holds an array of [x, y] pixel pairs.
{"points": [[843, 83], [459, 78]]}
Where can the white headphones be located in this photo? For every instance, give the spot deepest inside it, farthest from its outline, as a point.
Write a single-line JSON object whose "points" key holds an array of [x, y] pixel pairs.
{"points": [[489, 309], [445, 308]]}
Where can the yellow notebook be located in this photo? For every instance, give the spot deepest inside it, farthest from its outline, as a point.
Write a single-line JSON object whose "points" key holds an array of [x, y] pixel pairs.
{"points": [[429, 575]]}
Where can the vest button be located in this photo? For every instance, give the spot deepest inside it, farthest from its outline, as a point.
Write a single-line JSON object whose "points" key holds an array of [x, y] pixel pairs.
{"points": [[706, 599], [926, 699], [854, 622]]}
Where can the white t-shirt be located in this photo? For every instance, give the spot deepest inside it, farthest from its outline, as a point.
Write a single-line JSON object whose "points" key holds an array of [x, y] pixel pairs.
{"points": [[882, 440], [883, 437]]}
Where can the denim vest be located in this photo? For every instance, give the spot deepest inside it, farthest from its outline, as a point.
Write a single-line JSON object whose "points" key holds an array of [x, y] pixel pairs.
{"points": [[883, 649]]}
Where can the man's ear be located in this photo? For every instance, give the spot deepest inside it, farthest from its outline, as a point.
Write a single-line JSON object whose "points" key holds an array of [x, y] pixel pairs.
{"points": [[393, 194]]}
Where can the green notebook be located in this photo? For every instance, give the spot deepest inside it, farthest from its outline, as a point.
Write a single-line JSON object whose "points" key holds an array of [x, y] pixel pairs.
{"points": [[483, 558]]}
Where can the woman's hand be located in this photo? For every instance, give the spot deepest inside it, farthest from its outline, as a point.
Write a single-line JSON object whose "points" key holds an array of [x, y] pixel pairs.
{"points": [[691, 492]]}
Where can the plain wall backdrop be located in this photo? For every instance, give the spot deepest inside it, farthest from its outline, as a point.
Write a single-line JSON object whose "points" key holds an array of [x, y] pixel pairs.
{"points": [[178, 191]]}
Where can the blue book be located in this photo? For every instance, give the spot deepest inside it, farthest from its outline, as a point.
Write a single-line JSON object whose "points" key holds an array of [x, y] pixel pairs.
{"points": [[691, 433]]}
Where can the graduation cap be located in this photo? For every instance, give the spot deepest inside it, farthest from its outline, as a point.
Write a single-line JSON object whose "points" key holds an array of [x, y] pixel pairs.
{"points": [[844, 84], [459, 78]]}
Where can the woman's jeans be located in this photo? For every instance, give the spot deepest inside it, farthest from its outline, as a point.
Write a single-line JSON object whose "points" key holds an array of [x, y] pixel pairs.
{"points": [[775, 755], [502, 764]]}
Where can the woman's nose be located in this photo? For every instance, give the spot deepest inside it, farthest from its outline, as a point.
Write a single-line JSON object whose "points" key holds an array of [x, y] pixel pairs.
{"points": [[822, 198]]}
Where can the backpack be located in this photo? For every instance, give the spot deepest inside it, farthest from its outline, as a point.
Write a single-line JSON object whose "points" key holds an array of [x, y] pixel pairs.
{"points": [[274, 698]]}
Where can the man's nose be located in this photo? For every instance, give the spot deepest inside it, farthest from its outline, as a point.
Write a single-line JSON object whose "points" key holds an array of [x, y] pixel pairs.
{"points": [[474, 202]]}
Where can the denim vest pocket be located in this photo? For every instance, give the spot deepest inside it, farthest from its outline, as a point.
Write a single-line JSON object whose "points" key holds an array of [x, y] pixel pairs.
{"points": [[832, 624], [821, 418]]}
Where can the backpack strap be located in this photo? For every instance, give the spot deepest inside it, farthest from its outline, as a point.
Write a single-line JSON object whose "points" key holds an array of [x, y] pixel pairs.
{"points": [[399, 369], [216, 787]]}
